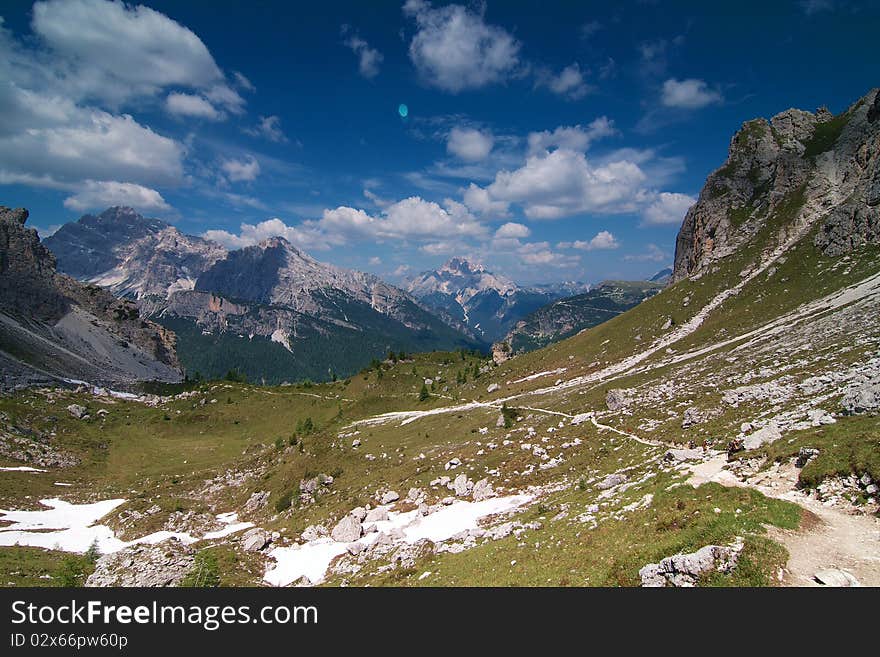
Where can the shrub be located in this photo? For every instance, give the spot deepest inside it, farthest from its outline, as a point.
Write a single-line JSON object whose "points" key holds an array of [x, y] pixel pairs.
{"points": [[205, 571]]}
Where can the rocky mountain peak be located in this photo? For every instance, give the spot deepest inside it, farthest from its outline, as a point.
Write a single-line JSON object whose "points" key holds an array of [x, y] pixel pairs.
{"points": [[782, 178]]}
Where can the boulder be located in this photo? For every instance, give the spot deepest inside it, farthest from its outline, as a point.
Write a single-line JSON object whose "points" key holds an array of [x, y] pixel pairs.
{"points": [[693, 416], [347, 530], [615, 399], [462, 485], [836, 577], [686, 569], [359, 512], [376, 515], [805, 455], [256, 501], [389, 497], [78, 411], [314, 532], [482, 490], [610, 481], [162, 564], [858, 400], [767, 434], [680, 455], [254, 540], [492, 388]]}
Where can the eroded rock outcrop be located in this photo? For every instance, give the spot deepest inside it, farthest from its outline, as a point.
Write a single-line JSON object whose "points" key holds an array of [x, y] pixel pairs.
{"points": [[783, 177]]}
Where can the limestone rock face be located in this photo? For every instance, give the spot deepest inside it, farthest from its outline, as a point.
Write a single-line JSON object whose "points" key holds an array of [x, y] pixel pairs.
{"points": [[163, 564], [784, 177], [58, 328]]}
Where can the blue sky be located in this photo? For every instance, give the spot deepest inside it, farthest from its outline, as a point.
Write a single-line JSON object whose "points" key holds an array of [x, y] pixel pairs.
{"points": [[551, 141]]}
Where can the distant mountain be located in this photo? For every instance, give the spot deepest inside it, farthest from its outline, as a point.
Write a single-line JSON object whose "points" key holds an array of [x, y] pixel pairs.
{"points": [[53, 328], [486, 305], [566, 317], [132, 255], [662, 277], [269, 311]]}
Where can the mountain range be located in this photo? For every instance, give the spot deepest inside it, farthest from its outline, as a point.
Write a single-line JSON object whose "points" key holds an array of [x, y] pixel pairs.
{"points": [[268, 311], [483, 304]]}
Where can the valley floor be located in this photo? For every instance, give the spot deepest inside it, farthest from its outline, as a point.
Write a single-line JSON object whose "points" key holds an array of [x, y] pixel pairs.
{"points": [[738, 448]]}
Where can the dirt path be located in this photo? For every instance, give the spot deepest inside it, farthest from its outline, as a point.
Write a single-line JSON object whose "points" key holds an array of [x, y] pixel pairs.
{"points": [[829, 538]]}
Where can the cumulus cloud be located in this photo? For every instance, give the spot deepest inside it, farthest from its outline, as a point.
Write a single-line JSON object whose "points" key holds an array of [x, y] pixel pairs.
{"points": [[652, 253], [513, 230], [65, 86], [114, 52], [86, 144], [574, 138], [562, 183], [668, 208], [469, 144], [244, 170], [454, 49], [268, 127], [409, 220], [102, 194], [688, 94], [568, 83], [181, 104], [603, 240], [369, 59]]}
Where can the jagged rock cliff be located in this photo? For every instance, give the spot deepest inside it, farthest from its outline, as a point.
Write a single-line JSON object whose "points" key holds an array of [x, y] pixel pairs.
{"points": [[797, 173], [53, 327]]}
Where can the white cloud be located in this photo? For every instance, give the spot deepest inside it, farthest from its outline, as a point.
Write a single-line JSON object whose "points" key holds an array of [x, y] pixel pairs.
{"points": [[479, 200], [411, 219], [469, 144], [669, 208], [103, 194], [303, 236], [540, 253], [114, 52], [86, 144], [375, 261], [652, 253], [562, 183], [369, 59], [574, 138], [688, 94], [811, 7], [193, 105], [603, 240], [512, 230], [242, 82], [568, 83], [244, 170], [454, 49], [268, 127]]}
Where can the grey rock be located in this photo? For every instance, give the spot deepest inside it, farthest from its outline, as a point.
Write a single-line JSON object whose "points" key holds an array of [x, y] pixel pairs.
{"points": [[347, 530], [314, 532], [616, 398], [78, 411], [376, 515], [610, 481], [684, 570], [162, 564], [359, 512], [836, 577], [683, 455], [862, 399], [389, 497], [256, 501], [805, 455], [767, 434], [492, 388], [482, 490], [693, 416], [462, 485], [254, 540]]}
